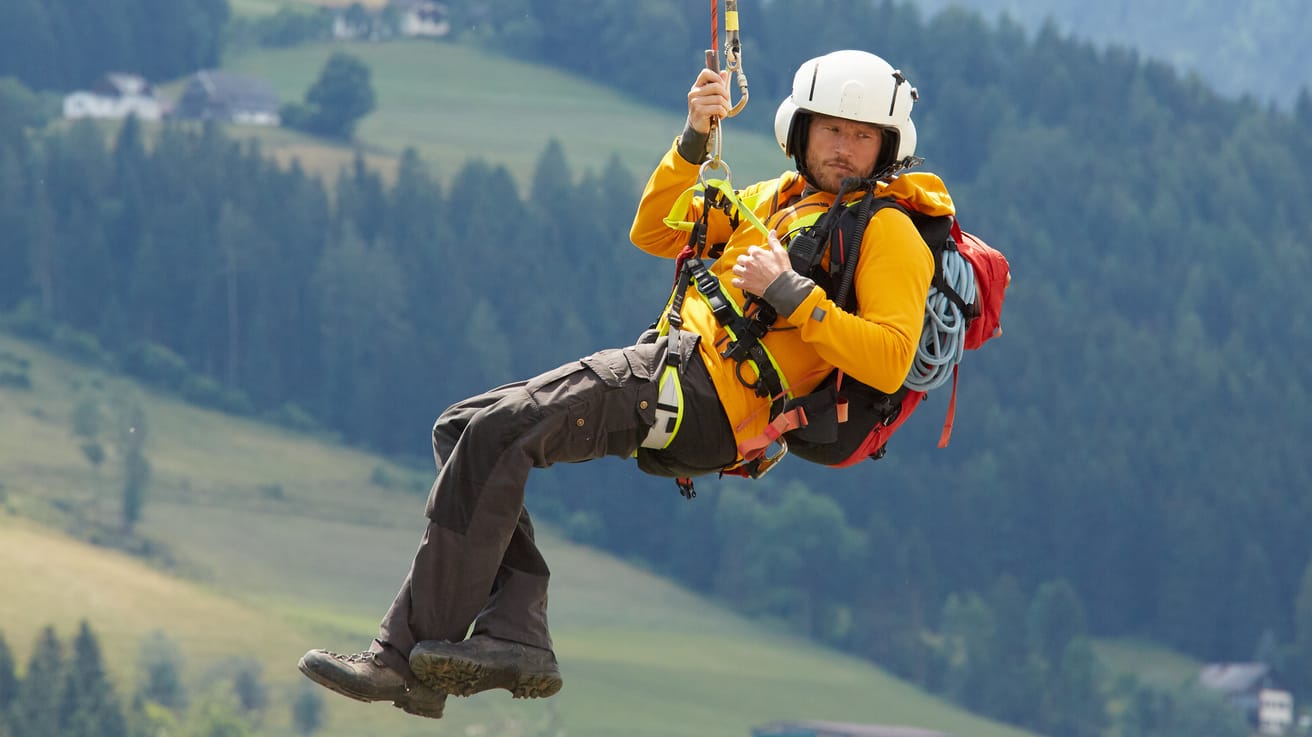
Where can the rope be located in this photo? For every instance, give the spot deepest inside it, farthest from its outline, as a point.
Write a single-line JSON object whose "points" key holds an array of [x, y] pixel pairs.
{"points": [[943, 339], [733, 63], [715, 24]]}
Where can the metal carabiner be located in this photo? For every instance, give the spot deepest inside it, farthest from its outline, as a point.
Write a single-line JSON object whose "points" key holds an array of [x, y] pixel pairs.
{"points": [[733, 49], [715, 163], [767, 462], [732, 63]]}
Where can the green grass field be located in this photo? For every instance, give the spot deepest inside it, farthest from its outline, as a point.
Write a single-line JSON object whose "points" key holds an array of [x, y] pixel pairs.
{"points": [[453, 103], [1152, 664], [268, 574], [256, 8]]}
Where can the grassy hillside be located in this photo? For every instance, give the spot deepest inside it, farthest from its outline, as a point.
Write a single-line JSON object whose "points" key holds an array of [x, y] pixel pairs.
{"points": [[274, 543], [257, 8], [1152, 664], [453, 103]]}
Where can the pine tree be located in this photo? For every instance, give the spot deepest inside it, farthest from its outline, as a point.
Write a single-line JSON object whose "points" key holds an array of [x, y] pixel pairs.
{"points": [[249, 687], [969, 629], [43, 249], [414, 229], [25, 37], [362, 199], [1301, 661], [1055, 618], [131, 444], [360, 293], [14, 223], [35, 713], [8, 677], [100, 39], [1009, 692], [89, 707], [127, 223], [236, 236], [1079, 707]]}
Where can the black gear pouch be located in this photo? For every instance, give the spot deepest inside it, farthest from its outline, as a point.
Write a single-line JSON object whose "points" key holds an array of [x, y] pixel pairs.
{"points": [[825, 439]]}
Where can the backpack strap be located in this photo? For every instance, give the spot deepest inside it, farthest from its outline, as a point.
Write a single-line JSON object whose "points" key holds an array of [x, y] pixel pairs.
{"points": [[952, 412]]}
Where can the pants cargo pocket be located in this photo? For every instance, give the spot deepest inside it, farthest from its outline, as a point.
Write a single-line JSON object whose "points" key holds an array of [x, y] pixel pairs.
{"points": [[626, 406]]}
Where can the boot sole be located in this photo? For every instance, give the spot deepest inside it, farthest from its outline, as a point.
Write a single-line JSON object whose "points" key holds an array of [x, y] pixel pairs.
{"points": [[465, 677], [406, 705]]}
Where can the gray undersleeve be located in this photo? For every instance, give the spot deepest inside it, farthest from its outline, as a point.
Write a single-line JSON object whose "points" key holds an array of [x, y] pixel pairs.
{"points": [[786, 293], [692, 145]]}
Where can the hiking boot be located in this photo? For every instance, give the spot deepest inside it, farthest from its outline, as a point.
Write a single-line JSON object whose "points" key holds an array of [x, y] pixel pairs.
{"points": [[482, 663], [364, 677]]}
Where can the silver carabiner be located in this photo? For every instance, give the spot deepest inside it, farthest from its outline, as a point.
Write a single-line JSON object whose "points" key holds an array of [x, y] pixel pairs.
{"points": [[715, 163]]}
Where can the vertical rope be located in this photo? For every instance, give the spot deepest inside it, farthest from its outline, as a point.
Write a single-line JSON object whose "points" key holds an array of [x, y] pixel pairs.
{"points": [[715, 24]]}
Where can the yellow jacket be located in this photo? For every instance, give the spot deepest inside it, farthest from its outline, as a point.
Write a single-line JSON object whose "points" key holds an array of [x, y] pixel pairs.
{"points": [[891, 285]]}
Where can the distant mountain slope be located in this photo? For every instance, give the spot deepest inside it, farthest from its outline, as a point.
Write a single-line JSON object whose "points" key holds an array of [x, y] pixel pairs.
{"points": [[285, 545], [1239, 48], [455, 102]]}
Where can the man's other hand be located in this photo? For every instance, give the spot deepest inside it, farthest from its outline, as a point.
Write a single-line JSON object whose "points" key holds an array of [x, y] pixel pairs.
{"points": [[760, 265]]}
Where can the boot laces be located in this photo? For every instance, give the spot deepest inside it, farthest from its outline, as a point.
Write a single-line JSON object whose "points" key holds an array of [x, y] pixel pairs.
{"points": [[364, 657]]}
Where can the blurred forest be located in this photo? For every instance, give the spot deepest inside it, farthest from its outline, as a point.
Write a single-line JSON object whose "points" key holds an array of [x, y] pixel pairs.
{"points": [[1239, 48], [1125, 460]]}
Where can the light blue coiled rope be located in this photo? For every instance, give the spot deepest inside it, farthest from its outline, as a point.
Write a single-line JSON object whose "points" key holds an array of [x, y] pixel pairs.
{"points": [[943, 338]]}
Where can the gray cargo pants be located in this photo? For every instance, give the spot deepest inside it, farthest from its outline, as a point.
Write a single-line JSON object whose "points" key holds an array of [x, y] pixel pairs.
{"points": [[477, 562]]}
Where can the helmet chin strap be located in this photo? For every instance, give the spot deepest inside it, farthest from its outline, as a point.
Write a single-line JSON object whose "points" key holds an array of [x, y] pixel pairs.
{"points": [[895, 168]]}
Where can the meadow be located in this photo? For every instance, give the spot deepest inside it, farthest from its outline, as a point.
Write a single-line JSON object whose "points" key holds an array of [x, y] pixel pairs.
{"points": [[454, 102], [267, 543]]}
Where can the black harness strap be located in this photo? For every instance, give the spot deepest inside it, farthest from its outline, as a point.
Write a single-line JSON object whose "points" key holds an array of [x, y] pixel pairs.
{"points": [[745, 332]]}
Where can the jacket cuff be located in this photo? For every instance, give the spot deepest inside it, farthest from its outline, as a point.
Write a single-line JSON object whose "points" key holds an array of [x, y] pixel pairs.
{"points": [[692, 145], [787, 292]]}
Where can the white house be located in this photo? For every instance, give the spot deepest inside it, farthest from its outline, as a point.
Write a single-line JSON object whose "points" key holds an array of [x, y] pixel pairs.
{"points": [[1250, 687], [407, 18], [423, 18], [115, 95], [1275, 711]]}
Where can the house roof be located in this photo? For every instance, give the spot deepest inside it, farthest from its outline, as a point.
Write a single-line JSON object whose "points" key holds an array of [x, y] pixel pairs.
{"points": [[240, 93], [419, 5], [121, 84], [841, 729], [1231, 678]]}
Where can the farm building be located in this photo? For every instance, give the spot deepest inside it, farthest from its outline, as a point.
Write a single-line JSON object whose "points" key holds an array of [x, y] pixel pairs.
{"points": [[1250, 687], [115, 95], [230, 98]]}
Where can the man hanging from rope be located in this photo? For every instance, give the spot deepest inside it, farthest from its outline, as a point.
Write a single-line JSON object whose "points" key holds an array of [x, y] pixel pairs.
{"points": [[743, 332]]}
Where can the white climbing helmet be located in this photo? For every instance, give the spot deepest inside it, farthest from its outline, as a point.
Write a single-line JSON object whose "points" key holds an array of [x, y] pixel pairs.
{"points": [[856, 85]]}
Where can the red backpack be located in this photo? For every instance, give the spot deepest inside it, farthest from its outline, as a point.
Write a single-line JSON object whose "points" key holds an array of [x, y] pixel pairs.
{"points": [[846, 421]]}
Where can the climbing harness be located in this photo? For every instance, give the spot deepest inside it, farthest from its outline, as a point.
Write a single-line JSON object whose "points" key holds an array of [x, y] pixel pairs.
{"points": [[744, 327]]}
